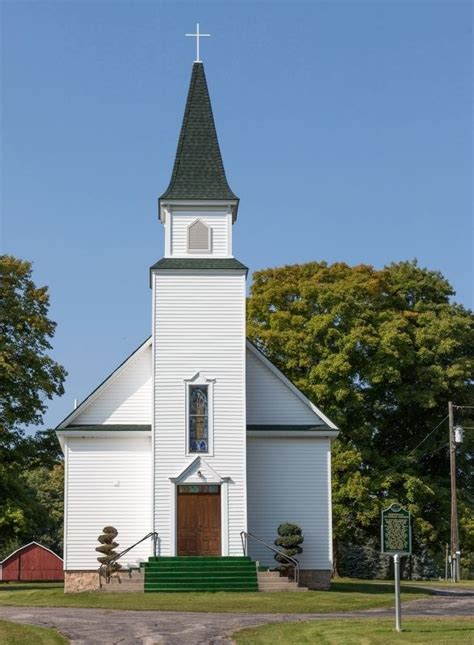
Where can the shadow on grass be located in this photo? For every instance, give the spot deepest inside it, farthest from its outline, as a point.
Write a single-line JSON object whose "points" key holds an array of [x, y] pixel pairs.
{"points": [[29, 586], [429, 629], [372, 587]]}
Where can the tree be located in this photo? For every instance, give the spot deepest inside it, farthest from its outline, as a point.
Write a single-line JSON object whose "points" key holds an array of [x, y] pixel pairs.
{"points": [[27, 373], [31, 491], [28, 377], [46, 486], [381, 352]]}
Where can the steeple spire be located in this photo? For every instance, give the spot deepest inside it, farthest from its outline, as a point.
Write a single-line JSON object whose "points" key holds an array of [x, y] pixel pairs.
{"points": [[198, 172]]}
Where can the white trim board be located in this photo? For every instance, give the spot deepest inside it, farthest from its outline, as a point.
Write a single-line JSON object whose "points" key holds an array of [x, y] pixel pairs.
{"points": [[307, 434], [63, 435]]}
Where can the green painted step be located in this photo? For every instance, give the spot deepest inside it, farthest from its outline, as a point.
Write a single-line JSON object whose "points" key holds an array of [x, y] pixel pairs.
{"points": [[197, 567], [154, 569], [185, 589], [180, 563], [199, 589], [200, 558], [200, 573], [200, 581], [222, 563], [197, 563]]}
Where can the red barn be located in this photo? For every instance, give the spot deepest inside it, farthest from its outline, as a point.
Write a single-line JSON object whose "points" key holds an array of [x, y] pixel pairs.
{"points": [[31, 563]]}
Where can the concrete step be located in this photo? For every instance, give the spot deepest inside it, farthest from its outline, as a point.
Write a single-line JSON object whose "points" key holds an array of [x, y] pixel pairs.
{"points": [[282, 586], [125, 581], [272, 581], [294, 589]]}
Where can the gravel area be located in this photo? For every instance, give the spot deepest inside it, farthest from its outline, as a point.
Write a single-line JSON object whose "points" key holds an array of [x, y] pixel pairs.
{"points": [[118, 627]]}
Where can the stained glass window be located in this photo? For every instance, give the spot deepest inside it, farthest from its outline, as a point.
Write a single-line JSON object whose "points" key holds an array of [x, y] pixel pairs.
{"points": [[186, 489], [198, 418]]}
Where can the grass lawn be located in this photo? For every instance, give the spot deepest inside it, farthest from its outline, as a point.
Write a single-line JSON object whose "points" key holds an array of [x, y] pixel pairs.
{"points": [[442, 584], [360, 632], [345, 595], [15, 634]]}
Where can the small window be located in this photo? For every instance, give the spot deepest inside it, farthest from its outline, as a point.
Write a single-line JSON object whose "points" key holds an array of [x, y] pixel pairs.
{"points": [[198, 418], [191, 489], [199, 237]]}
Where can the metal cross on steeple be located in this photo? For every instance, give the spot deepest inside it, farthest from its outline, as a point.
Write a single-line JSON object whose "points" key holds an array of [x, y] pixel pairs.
{"points": [[197, 36]]}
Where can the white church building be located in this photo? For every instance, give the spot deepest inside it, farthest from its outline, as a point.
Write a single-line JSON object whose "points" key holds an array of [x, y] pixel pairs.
{"points": [[197, 435]]}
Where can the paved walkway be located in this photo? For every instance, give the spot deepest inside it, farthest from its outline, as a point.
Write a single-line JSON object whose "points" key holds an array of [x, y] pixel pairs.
{"points": [[118, 627]]}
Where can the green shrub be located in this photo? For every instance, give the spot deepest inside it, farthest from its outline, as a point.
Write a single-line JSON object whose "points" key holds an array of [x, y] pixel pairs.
{"points": [[289, 541]]}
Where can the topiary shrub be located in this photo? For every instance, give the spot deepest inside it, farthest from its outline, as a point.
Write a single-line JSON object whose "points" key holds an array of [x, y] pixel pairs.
{"points": [[289, 541], [107, 547]]}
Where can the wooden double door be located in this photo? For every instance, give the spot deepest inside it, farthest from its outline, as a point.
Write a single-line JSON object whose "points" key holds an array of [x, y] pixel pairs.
{"points": [[199, 520]]}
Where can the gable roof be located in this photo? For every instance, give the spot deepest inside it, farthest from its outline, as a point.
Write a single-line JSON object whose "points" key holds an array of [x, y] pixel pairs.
{"points": [[210, 476], [105, 383], [21, 548], [318, 419], [198, 171], [313, 420]]}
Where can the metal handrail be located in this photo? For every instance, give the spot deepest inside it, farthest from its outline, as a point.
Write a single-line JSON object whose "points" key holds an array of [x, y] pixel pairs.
{"points": [[291, 560], [152, 534]]}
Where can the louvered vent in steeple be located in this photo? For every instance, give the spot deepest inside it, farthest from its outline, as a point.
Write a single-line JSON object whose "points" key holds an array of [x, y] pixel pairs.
{"points": [[199, 237]]}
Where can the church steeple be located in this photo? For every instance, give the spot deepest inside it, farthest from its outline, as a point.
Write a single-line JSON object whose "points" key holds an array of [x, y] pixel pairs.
{"points": [[198, 172]]}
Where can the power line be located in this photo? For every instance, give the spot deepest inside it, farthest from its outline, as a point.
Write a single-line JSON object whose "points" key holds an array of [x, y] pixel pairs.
{"points": [[433, 452], [428, 435]]}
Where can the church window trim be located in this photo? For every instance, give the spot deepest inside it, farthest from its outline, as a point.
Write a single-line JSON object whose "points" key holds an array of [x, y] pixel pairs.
{"points": [[199, 415], [199, 237]]}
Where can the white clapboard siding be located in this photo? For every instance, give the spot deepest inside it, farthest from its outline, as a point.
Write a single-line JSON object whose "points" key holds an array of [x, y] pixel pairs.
{"points": [[200, 327], [126, 398], [270, 401], [288, 481], [108, 482], [219, 224]]}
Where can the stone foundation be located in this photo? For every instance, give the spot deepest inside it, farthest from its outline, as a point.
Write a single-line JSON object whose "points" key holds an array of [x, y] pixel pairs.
{"points": [[76, 581], [315, 578]]}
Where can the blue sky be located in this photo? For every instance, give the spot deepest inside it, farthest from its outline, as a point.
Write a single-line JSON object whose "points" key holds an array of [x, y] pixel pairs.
{"points": [[344, 127]]}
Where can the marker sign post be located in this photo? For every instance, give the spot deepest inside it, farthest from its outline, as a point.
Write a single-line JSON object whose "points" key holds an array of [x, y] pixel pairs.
{"points": [[396, 541]]}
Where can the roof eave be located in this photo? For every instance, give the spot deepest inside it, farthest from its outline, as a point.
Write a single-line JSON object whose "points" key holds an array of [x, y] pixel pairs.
{"points": [[163, 202]]}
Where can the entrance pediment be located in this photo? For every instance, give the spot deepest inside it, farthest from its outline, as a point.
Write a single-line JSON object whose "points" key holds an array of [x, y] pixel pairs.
{"points": [[199, 472]]}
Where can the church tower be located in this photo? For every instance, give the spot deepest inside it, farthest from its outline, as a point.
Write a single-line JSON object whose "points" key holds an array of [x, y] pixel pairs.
{"points": [[198, 345]]}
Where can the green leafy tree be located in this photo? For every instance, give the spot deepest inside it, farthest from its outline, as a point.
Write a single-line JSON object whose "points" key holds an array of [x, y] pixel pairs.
{"points": [[46, 486], [28, 378], [381, 352], [35, 498]]}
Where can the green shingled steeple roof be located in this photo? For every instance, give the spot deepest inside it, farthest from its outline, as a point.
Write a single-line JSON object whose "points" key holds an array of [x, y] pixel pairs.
{"points": [[198, 171]]}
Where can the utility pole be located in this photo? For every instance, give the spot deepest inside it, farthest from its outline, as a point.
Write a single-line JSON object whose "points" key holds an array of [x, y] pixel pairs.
{"points": [[446, 563], [455, 565]]}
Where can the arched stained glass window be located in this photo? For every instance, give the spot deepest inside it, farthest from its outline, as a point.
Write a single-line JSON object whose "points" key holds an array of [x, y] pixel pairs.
{"points": [[198, 418]]}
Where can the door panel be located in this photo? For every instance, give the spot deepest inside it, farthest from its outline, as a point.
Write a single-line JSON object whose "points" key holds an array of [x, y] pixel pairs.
{"points": [[199, 524]]}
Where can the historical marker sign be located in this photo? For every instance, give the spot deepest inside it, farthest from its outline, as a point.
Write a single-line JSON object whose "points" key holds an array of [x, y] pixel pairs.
{"points": [[396, 531]]}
